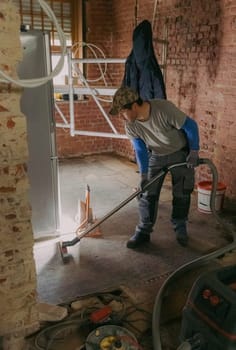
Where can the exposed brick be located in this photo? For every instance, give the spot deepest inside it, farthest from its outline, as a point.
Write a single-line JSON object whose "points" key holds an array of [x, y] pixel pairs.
{"points": [[19, 314]]}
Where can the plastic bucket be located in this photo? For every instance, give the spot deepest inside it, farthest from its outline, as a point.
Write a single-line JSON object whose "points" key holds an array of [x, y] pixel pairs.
{"points": [[204, 189]]}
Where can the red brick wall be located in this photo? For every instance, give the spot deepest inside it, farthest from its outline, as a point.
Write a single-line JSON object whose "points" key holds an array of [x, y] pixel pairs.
{"points": [[87, 118], [200, 74]]}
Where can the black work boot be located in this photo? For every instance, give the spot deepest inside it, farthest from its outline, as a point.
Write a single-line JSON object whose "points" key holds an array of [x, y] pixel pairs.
{"points": [[137, 240], [181, 232]]}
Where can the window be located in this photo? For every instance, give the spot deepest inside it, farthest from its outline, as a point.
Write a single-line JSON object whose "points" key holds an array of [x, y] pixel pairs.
{"points": [[60, 79], [67, 12]]}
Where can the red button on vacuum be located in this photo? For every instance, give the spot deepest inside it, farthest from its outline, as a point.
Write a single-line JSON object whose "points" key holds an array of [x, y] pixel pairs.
{"points": [[206, 293], [214, 300]]}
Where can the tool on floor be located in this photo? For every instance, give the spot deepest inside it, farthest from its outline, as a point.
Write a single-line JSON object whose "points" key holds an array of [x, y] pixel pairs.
{"points": [[111, 337], [85, 217], [101, 315], [63, 245]]}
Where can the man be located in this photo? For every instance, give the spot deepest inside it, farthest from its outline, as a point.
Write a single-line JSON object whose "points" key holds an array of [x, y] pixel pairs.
{"points": [[158, 125]]}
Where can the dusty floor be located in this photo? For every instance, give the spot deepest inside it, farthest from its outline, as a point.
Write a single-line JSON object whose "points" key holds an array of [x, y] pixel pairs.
{"points": [[104, 264]]}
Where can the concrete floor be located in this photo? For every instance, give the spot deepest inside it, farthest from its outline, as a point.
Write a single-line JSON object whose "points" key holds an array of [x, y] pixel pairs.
{"points": [[104, 263], [111, 180]]}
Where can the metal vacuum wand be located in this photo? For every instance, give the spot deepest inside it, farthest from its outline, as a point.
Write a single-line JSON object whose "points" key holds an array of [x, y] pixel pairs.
{"points": [[63, 245], [114, 210]]}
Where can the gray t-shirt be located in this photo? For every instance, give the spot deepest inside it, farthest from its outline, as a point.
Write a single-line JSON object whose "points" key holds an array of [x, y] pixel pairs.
{"points": [[161, 132]]}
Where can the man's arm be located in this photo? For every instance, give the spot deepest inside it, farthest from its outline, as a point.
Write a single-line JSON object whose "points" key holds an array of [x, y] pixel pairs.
{"points": [[190, 128], [142, 159]]}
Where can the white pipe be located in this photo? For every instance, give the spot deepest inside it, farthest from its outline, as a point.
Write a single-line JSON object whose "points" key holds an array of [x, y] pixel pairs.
{"points": [[71, 95], [61, 114], [31, 83], [93, 133], [99, 60], [103, 134]]}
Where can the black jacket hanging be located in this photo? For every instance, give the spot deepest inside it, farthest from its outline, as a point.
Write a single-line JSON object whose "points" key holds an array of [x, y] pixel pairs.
{"points": [[142, 71]]}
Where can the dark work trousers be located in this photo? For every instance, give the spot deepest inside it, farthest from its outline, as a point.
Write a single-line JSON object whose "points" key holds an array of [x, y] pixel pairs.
{"points": [[182, 187]]}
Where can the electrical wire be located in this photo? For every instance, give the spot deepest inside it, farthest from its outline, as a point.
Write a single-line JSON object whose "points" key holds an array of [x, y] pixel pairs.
{"points": [[154, 13], [49, 336], [78, 71], [31, 83], [185, 346], [136, 308], [54, 330], [92, 47]]}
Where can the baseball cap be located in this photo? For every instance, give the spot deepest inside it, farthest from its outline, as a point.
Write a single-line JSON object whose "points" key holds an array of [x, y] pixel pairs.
{"points": [[123, 96]]}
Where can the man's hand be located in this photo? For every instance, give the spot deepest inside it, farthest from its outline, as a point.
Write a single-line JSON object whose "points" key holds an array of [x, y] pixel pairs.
{"points": [[192, 159], [143, 181]]}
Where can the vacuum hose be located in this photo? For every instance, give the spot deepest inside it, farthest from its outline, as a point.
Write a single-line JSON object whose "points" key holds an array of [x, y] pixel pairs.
{"points": [[192, 264]]}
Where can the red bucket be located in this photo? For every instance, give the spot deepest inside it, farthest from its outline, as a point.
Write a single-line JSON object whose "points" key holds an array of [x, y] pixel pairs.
{"points": [[204, 189]]}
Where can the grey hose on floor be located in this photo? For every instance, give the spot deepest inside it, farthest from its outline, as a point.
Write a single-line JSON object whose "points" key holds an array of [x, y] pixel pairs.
{"points": [[192, 264]]}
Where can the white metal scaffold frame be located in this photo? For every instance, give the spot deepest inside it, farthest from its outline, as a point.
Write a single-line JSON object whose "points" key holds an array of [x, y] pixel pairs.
{"points": [[96, 92], [86, 89]]}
